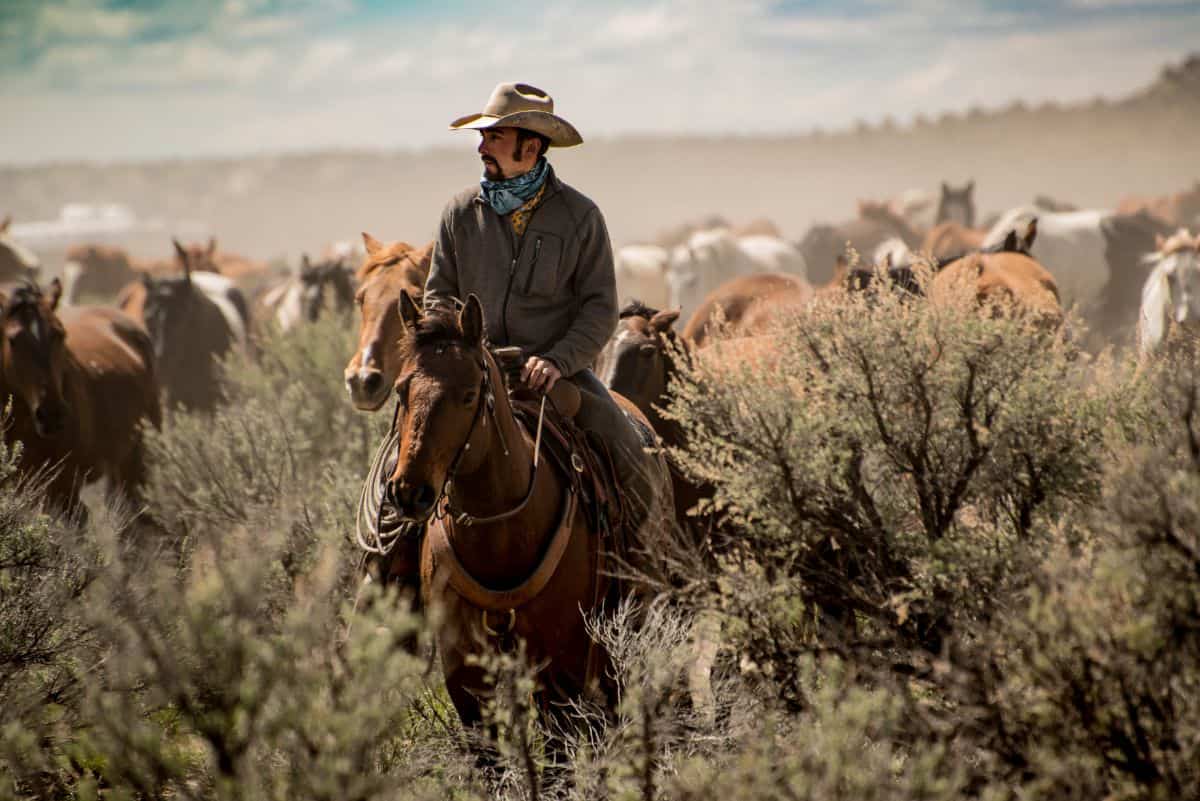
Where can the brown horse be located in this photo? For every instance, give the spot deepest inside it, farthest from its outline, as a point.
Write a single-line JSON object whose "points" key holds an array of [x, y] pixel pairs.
{"points": [[390, 270], [639, 362], [193, 321], [749, 305], [509, 554], [96, 271], [16, 261], [83, 385]]}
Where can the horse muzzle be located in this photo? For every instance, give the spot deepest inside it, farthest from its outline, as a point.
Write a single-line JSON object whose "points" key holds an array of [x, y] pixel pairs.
{"points": [[368, 391], [413, 502]]}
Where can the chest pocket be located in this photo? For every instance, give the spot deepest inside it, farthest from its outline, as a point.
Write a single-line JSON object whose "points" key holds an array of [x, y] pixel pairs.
{"points": [[539, 267]]}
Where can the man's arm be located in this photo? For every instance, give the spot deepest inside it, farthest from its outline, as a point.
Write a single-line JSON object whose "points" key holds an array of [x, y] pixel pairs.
{"points": [[442, 284], [596, 290]]}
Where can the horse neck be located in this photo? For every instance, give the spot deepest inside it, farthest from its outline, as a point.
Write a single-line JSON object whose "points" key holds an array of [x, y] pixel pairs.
{"points": [[677, 357], [508, 549], [501, 479]]}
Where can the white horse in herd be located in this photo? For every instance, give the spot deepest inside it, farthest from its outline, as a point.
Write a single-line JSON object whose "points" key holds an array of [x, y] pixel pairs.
{"points": [[710, 258], [1171, 294]]}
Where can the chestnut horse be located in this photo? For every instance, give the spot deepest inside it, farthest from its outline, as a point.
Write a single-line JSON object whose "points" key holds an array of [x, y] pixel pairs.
{"points": [[509, 554], [748, 305], [389, 271], [83, 385]]}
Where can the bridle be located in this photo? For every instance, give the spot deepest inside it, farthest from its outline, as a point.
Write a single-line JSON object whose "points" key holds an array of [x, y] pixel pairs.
{"points": [[485, 406]]}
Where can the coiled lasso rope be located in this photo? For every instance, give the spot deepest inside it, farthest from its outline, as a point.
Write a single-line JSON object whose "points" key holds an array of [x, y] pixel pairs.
{"points": [[377, 526]]}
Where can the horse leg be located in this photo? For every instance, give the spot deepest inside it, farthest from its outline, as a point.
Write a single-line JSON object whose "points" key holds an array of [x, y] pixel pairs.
{"points": [[465, 685], [125, 478]]}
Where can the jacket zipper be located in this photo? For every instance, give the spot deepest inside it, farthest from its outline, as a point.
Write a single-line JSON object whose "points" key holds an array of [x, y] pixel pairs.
{"points": [[518, 248]]}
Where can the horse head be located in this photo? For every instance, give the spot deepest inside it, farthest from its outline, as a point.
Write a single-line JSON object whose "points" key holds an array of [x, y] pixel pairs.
{"points": [[325, 284], [389, 271], [167, 310], [638, 360], [957, 205], [446, 384], [1178, 258], [35, 354]]}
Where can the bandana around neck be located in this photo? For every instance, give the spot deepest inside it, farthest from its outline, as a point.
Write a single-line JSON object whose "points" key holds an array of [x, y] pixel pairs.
{"points": [[510, 194]]}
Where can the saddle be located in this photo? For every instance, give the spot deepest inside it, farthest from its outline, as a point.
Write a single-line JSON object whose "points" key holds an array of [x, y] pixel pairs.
{"points": [[584, 460]]}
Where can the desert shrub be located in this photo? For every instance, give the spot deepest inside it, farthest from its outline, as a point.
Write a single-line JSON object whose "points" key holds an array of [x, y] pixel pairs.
{"points": [[887, 476], [1102, 672], [287, 434]]}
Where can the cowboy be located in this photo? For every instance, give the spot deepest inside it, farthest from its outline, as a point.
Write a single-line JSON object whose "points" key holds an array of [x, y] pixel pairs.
{"points": [[537, 255]]}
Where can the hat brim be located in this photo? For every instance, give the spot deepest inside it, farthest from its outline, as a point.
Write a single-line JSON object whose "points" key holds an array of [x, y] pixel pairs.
{"points": [[560, 132]]}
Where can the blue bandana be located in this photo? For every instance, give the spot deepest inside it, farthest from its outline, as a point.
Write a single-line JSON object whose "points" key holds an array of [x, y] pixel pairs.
{"points": [[509, 194]]}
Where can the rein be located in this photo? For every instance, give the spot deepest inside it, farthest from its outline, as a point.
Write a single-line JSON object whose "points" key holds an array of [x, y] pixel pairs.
{"points": [[378, 530]]}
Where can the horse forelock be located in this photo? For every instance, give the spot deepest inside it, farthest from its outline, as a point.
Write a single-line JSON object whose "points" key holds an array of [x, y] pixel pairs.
{"points": [[635, 308]]}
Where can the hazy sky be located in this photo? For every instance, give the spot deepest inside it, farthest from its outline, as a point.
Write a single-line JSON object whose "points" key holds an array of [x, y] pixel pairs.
{"points": [[130, 79]]}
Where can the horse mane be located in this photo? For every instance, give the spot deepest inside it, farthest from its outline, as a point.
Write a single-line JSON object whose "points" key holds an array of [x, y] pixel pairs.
{"points": [[371, 266], [25, 293], [635, 308]]}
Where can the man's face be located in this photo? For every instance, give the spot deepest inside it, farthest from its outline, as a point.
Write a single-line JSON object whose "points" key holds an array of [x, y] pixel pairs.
{"points": [[500, 155]]}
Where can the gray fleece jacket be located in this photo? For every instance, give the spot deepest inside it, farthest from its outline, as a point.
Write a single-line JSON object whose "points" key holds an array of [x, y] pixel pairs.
{"points": [[552, 291]]}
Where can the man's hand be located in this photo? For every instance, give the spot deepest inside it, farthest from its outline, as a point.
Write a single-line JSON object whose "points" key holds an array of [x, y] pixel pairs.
{"points": [[540, 374]]}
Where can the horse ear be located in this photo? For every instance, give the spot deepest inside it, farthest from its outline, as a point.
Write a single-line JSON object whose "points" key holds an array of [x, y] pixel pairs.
{"points": [[182, 254], [212, 246], [662, 322], [7, 221], [970, 187], [1010, 242], [410, 313], [1159, 242], [887, 260], [55, 294], [1030, 235], [372, 244], [945, 188], [470, 320], [305, 263]]}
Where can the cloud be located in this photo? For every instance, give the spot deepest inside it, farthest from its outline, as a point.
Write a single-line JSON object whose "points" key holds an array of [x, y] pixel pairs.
{"points": [[321, 57], [291, 72], [83, 20]]}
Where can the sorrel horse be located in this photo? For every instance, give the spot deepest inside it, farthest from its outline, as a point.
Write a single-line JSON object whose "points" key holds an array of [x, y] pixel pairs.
{"points": [[389, 271], [83, 385], [509, 554]]}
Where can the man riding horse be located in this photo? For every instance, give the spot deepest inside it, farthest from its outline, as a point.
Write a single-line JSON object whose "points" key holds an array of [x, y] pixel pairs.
{"points": [[536, 253]]}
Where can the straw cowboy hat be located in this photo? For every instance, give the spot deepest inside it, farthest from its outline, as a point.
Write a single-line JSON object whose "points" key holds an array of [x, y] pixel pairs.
{"points": [[519, 105]]}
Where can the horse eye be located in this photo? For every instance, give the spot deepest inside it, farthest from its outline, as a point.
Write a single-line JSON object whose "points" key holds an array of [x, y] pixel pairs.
{"points": [[469, 398], [647, 350]]}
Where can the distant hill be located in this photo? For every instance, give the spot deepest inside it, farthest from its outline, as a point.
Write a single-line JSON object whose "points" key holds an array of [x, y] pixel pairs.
{"points": [[1088, 153]]}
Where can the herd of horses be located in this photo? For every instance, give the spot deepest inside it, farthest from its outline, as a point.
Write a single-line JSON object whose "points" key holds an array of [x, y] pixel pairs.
{"points": [[511, 552]]}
